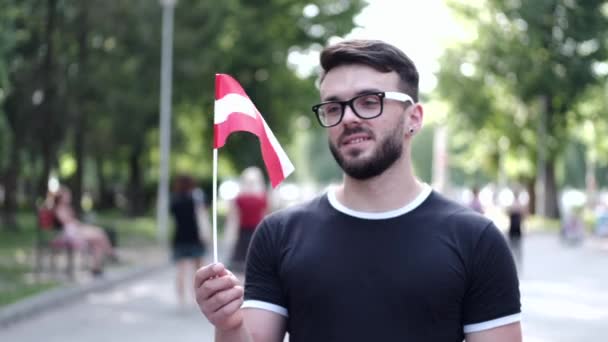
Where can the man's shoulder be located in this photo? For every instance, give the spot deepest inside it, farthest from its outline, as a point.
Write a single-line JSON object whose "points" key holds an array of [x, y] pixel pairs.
{"points": [[307, 209], [450, 213]]}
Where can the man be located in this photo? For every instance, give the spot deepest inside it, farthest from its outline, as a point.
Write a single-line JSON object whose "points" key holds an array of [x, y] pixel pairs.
{"points": [[381, 257]]}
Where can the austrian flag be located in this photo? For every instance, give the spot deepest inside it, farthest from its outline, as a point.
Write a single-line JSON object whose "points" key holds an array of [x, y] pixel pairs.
{"points": [[235, 112]]}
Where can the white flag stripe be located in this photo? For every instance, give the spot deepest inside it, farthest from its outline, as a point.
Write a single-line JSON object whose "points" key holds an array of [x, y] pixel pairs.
{"points": [[286, 164], [233, 103]]}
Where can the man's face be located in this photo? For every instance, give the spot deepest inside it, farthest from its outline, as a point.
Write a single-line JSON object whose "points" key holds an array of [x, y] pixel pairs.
{"points": [[364, 148]]}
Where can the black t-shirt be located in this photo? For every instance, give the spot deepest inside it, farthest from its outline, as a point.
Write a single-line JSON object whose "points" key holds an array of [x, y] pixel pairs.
{"points": [[431, 271], [183, 209]]}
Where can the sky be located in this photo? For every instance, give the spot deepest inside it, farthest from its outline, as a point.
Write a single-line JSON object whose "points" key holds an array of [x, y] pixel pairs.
{"points": [[421, 28]]}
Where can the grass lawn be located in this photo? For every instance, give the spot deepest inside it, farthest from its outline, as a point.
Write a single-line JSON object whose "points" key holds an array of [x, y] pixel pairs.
{"points": [[17, 251], [16, 262]]}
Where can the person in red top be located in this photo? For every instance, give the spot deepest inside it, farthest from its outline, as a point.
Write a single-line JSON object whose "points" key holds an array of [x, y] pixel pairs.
{"points": [[246, 211]]}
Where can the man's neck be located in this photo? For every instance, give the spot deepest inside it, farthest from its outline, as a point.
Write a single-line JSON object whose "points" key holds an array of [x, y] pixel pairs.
{"points": [[393, 189]]}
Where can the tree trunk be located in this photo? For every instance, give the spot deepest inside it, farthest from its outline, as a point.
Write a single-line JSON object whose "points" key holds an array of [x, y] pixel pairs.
{"points": [[532, 196], [546, 191], [46, 109], [590, 182], [135, 183], [80, 114], [551, 193], [47, 165], [10, 188], [106, 195]]}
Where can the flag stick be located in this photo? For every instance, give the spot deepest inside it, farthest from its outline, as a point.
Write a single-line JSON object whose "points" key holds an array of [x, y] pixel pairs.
{"points": [[214, 213]]}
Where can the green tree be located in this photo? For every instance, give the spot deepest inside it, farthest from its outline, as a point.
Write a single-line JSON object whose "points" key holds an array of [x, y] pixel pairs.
{"points": [[541, 55], [79, 82]]}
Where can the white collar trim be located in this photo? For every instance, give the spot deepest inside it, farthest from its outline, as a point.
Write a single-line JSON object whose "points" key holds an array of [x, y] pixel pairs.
{"points": [[333, 201]]}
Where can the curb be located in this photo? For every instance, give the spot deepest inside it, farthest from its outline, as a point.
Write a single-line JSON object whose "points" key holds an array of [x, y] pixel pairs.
{"points": [[62, 296]]}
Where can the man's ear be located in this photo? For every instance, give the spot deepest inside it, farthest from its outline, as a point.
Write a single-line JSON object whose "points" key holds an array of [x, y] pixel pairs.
{"points": [[413, 118]]}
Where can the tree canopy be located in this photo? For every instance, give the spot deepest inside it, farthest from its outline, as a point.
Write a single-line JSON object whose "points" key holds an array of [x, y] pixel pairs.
{"points": [[79, 87], [523, 85]]}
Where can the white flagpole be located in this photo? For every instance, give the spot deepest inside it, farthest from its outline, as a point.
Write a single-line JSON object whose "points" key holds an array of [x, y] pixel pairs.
{"points": [[214, 213]]}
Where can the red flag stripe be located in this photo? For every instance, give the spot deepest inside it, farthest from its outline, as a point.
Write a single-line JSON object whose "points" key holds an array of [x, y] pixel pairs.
{"points": [[245, 123], [225, 84], [234, 112]]}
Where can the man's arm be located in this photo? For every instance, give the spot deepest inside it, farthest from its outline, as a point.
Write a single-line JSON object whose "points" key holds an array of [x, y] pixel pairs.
{"points": [[220, 295], [259, 326], [506, 333]]}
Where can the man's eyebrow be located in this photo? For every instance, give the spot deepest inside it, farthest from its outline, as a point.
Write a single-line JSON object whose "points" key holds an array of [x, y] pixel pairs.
{"points": [[360, 92]]}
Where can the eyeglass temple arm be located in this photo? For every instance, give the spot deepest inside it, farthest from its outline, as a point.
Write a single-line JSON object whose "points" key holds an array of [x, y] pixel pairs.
{"points": [[393, 95]]}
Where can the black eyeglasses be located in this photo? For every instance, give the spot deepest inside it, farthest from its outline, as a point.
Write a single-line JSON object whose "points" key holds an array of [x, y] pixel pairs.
{"points": [[365, 106]]}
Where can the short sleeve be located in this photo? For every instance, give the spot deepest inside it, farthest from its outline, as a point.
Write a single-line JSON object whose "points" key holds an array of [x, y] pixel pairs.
{"points": [[263, 288], [492, 298]]}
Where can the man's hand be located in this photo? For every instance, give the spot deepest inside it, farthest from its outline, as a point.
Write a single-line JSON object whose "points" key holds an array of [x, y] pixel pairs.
{"points": [[219, 296]]}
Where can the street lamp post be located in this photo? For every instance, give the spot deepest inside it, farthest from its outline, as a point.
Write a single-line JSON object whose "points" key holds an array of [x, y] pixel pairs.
{"points": [[162, 211]]}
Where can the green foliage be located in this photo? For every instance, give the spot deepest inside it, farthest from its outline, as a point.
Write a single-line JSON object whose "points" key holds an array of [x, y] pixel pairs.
{"points": [[422, 153], [224, 42], [16, 254], [80, 80], [525, 52], [323, 166]]}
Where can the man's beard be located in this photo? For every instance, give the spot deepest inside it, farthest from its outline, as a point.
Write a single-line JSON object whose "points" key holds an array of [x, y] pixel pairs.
{"points": [[389, 151]]}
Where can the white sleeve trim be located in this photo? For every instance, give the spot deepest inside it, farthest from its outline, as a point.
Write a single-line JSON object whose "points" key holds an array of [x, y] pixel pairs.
{"points": [[258, 304], [498, 322]]}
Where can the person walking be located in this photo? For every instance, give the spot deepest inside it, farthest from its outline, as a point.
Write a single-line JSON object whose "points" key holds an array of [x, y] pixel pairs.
{"points": [[189, 238], [380, 257], [246, 211], [516, 213]]}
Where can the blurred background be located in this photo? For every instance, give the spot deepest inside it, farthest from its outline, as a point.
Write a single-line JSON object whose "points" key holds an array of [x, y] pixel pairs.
{"points": [[113, 99]]}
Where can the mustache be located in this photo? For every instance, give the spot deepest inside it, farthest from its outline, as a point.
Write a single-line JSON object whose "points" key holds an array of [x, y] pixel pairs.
{"points": [[354, 130]]}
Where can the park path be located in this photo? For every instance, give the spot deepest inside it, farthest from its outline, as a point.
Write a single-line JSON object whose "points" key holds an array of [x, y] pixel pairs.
{"points": [[564, 299]]}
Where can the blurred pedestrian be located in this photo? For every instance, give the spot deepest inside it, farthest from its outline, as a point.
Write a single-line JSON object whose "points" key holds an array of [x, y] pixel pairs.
{"points": [[601, 219], [475, 203], [573, 226], [190, 233], [516, 212], [245, 213], [381, 256], [81, 235]]}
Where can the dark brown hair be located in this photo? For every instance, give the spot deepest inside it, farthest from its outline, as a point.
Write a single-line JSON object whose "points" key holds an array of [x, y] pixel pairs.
{"points": [[183, 184], [376, 54]]}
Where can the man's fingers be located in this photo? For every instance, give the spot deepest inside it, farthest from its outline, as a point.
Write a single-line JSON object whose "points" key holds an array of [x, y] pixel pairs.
{"points": [[224, 312], [208, 272], [210, 287], [221, 299]]}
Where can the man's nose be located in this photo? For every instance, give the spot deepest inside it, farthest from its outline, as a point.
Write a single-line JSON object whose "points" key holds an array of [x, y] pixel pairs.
{"points": [[349, 115]]}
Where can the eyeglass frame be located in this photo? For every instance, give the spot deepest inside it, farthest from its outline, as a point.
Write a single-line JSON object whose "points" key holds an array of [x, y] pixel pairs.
{"points": [[391, 95]]}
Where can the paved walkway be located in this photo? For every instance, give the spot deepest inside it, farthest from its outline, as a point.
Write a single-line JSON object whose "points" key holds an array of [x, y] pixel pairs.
{"points": [[564, 290], [135, 262], [564, 298]]}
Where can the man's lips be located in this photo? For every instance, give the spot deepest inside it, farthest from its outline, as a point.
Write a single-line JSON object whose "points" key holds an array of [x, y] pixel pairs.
{"points": [[355, 139]]}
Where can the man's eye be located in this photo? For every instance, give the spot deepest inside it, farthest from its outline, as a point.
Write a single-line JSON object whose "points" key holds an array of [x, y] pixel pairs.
{"points": [[369, 101], [332, 109]]}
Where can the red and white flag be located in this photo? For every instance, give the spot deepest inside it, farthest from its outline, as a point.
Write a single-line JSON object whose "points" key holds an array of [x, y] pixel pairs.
{"points": [[235, 112]]}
